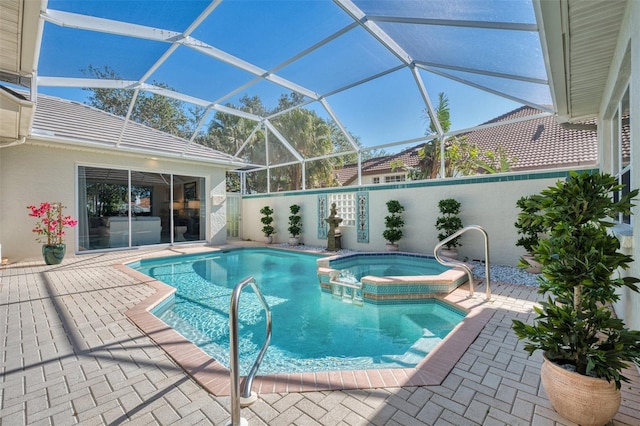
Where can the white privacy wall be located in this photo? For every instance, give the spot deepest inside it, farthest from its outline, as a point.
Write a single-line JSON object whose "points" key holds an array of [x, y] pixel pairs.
{"points": [[485, 201]]}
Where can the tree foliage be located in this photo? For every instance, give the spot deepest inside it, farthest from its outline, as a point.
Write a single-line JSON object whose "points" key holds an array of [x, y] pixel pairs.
{"points": [[155, 111], [497, 161], [307, 133], [581, 261], [430, 151], [461, 157]]}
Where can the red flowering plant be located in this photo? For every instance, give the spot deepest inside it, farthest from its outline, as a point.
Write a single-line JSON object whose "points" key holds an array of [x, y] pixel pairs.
{"points": [[51, 223]]}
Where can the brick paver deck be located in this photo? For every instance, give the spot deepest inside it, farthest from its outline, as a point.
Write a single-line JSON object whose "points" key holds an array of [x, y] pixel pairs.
{"points": [[71, 355]]}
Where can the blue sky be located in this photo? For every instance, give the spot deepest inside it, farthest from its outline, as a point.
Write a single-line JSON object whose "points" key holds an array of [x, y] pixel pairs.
{"points": [[267, 33]]}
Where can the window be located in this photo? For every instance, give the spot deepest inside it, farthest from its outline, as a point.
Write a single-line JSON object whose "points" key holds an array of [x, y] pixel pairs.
{"points": [[376, 180], [395, 178], [345, 206]]}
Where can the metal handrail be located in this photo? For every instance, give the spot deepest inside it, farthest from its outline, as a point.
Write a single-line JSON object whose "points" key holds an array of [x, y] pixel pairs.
{"points": [[459, 264], [234, 362]]}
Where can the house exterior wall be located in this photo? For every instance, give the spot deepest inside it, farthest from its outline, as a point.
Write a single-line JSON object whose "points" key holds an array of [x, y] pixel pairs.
{"points": [[33, 173], [626, 67], [369, 179], [488, 201], [632, 301]]}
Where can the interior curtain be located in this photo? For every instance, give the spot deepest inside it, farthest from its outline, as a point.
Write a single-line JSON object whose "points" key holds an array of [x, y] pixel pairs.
{"points": [[83, 212]]}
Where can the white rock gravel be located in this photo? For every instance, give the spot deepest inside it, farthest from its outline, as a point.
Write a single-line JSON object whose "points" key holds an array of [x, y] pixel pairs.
{"points": [[505, 274]]}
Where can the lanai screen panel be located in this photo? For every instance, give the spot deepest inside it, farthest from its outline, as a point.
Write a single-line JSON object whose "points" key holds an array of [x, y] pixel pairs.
{"points": [[269, 33], [243, 57], [352, 57]]}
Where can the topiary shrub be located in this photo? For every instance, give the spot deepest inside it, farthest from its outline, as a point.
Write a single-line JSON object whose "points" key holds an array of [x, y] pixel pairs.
{"points": [[393, 222], [448, 222]]}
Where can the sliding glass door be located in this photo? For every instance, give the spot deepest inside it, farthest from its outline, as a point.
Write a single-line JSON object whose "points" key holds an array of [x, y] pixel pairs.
{"points": [[121, 208], [188, 208]]}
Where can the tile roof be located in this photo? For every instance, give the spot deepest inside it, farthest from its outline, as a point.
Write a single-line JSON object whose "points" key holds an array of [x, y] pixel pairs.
{"points": [[74, 122], [539, 143]]}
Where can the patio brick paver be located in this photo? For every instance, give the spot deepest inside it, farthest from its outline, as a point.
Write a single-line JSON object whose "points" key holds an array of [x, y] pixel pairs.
{"points": [[70, 355]]}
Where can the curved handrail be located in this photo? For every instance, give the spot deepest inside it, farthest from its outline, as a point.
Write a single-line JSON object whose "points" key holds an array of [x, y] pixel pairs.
{"points": [[457, 263], [234, 362]]}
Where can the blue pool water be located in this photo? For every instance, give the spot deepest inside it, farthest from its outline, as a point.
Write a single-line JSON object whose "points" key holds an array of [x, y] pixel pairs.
{"points": [[387, 264], [312, 330]]}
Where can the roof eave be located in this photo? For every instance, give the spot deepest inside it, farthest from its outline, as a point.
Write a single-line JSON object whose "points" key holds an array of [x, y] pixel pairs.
{"points": [[98, 146], [552, 18]]}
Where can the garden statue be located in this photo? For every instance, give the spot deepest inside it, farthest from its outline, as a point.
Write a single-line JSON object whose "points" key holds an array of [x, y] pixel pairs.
{"points": [[334, 235]]}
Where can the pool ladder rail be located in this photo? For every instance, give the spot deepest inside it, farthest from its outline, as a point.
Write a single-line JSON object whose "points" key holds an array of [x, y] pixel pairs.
{"points": [[462, 265], [246, 397]]}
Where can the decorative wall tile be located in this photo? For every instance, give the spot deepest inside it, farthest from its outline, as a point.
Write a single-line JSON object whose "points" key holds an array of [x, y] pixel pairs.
{"points": [[322, 215], [362, 217]]}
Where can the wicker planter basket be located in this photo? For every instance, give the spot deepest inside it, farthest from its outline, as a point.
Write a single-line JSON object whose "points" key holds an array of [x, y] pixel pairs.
{"points": [[584, 400]]}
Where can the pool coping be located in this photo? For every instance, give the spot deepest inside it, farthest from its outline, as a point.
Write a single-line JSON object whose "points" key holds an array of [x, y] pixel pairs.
{"points": [[215, 378], [391, 288]]}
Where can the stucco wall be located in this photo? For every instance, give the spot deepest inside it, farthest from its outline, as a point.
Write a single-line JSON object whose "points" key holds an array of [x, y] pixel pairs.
{"points": [[32, 174], [488, 201], [623, 69]]}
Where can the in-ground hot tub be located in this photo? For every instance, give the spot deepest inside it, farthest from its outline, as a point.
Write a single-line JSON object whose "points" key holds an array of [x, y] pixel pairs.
{"points": [[387, 277]]}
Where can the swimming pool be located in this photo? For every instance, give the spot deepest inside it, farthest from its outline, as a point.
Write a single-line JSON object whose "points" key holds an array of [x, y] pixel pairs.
{"points": [[312, 331]]}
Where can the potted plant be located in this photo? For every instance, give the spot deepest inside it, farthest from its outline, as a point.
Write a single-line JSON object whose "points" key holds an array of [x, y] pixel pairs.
{"points": [[50, 230], [529, 231], [267, 229], [448, 223], [585, 346], [394, 223], [295, 225]]}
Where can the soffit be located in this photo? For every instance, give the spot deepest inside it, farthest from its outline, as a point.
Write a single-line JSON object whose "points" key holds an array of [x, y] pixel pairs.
{"points": [[18, 39], [18, 34], [593, 35], [10, 31], [580, 39]]}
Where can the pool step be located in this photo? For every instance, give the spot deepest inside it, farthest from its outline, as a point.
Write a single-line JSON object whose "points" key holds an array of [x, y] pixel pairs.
{"points": [[425, 344], [188, 330], [417, 351]]}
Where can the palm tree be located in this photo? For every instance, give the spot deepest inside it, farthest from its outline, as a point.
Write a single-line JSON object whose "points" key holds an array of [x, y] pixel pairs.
{"points": [[461, 157], [307, 133], [430, 151], [311, 137]]}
